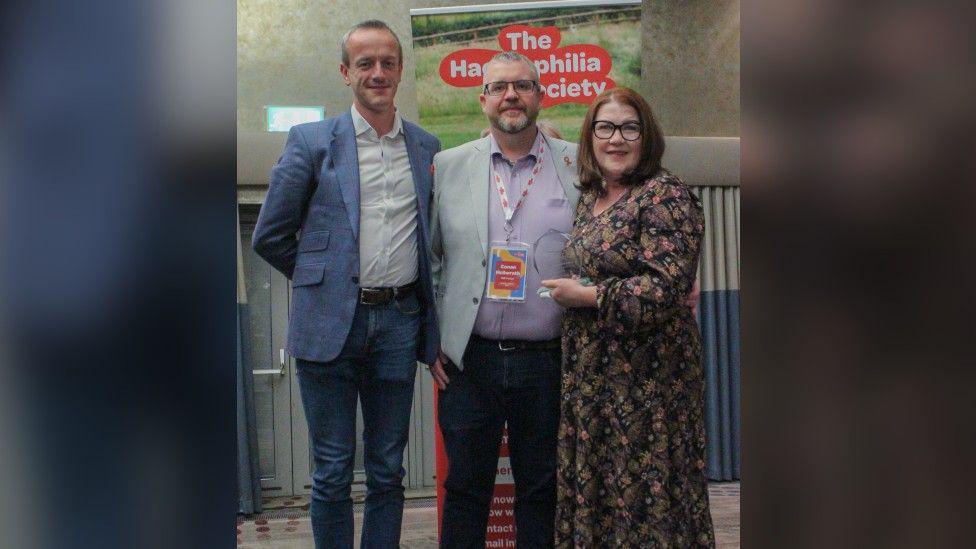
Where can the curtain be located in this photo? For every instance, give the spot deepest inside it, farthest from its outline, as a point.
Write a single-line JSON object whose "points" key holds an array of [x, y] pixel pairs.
{"points": [[719, 320], [248, 473]]}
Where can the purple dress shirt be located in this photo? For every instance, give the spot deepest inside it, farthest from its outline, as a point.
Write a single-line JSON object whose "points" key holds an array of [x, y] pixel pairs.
{"points": [[546, 207]]}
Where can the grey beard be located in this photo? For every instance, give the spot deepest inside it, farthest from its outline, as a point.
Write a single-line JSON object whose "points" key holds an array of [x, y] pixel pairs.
{"points": [[514, 127]]}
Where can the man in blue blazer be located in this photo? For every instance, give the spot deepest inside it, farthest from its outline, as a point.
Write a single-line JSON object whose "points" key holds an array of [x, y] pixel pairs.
{"points": [[345, 219]]}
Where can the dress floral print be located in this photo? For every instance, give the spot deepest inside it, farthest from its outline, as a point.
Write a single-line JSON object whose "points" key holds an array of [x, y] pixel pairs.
{"points": [[631, 469]]}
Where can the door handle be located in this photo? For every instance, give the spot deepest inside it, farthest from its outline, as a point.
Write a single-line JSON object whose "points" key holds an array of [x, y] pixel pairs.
{"points": [[281, 366]]}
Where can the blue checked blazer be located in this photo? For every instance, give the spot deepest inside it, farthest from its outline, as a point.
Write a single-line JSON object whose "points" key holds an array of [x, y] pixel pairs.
{"points": [[308, 229]]}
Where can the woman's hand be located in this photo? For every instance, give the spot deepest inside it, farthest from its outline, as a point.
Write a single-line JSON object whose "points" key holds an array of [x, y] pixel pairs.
{"points": [[568, 292]]}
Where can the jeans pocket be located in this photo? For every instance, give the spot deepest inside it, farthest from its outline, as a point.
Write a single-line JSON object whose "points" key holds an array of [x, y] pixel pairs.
{"points": [[409, 305]]}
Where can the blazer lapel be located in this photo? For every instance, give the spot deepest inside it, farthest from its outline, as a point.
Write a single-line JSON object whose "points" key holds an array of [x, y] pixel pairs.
{"points": [[420, 181], [347, 168], [479, 166], [565, 164]]}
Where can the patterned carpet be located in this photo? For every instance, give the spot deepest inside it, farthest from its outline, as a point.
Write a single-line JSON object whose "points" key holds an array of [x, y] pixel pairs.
{"points": [[284, 524]]}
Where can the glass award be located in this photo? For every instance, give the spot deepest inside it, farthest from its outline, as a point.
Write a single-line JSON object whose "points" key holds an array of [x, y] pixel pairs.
{"points": [[551, 259]]}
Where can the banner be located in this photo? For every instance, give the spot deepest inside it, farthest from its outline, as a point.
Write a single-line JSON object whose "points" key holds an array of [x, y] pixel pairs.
{"points": [[571, 74], [581, 48]]}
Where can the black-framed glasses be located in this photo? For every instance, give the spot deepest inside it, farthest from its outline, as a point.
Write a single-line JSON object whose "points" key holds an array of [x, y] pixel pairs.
{"points": [[501, 86], [630, 131]]}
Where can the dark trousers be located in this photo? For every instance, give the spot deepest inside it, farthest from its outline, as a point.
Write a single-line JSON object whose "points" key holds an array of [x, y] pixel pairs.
{"points": [[520, 387]]}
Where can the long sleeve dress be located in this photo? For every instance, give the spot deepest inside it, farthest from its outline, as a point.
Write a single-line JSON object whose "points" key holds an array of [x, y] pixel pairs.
{"points": [[631, 469]]}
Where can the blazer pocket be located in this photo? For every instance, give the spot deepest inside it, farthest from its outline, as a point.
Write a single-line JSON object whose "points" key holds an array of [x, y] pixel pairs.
{"points": [[308, 275], [311, 242]]}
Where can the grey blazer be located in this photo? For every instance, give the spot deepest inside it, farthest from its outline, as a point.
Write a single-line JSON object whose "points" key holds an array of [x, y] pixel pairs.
{"points": [[459, 232]]}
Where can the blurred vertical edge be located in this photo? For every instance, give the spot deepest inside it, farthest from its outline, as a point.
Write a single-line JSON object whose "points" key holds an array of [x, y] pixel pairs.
{"points": [[117, 294], [858, 200]]}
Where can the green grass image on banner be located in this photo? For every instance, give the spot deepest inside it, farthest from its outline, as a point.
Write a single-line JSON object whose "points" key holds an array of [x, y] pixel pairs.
{"points": [[454, 114]]}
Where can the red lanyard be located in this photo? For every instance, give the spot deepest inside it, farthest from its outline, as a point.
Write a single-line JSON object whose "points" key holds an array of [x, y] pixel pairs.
{"points": [[500, 188]]}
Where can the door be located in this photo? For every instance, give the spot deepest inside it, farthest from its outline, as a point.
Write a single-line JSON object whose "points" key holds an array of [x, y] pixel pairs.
{"points": [[267, 298]]}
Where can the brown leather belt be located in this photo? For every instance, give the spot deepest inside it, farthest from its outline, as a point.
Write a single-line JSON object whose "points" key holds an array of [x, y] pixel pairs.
{"points": [[518, 344], [382, 296]]}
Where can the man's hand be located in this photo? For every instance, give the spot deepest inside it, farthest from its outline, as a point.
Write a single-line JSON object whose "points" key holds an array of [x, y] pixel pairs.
{"points": [[568, 292], [437, 370], [693, 298]]}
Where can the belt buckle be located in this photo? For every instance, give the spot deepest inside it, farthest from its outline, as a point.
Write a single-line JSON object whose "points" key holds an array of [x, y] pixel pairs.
{"points": [[364, 292], [500, 348]]}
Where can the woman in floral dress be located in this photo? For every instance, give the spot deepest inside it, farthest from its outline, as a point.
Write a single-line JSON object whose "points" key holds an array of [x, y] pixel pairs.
{"points": [[631, 470]]}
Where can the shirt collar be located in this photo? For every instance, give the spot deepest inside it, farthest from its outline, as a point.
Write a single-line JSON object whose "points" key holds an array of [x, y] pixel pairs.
{"points": [[496, 151], [362, 126]]}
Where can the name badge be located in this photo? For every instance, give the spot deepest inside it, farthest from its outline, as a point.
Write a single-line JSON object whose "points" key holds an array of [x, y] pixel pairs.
{"points": [[506, 272]]}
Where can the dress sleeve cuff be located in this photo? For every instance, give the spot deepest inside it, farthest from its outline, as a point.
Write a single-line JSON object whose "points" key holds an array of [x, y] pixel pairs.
{"points": [[603, 290]]}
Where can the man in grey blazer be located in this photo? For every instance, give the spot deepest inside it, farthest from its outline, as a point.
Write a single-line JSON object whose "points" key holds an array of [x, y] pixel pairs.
{"points": [[499, 359], [346, 219]]}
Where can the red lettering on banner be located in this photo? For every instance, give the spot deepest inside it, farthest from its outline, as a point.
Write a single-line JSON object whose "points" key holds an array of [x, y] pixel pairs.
{"points": [[465, 68], [501, 517], [570, 74]]}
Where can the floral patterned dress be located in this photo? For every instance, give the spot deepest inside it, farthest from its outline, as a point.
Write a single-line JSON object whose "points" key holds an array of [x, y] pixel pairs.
{"points": [[631, 470]]}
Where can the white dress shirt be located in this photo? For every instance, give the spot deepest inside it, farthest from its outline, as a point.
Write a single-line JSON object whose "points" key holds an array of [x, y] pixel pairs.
{"points": [[387, 206]]}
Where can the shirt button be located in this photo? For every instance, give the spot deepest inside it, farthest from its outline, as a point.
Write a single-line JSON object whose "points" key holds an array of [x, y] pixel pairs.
{"points": [[474, 299], [355, 280], [484, 263]]}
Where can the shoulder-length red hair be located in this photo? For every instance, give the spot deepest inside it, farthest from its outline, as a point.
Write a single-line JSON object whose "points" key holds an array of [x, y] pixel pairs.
{"points": [[651, 150]]}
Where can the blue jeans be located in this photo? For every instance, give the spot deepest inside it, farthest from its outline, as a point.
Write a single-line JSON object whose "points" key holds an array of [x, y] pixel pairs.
{"points": [[376, 365], [518, 387]]}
